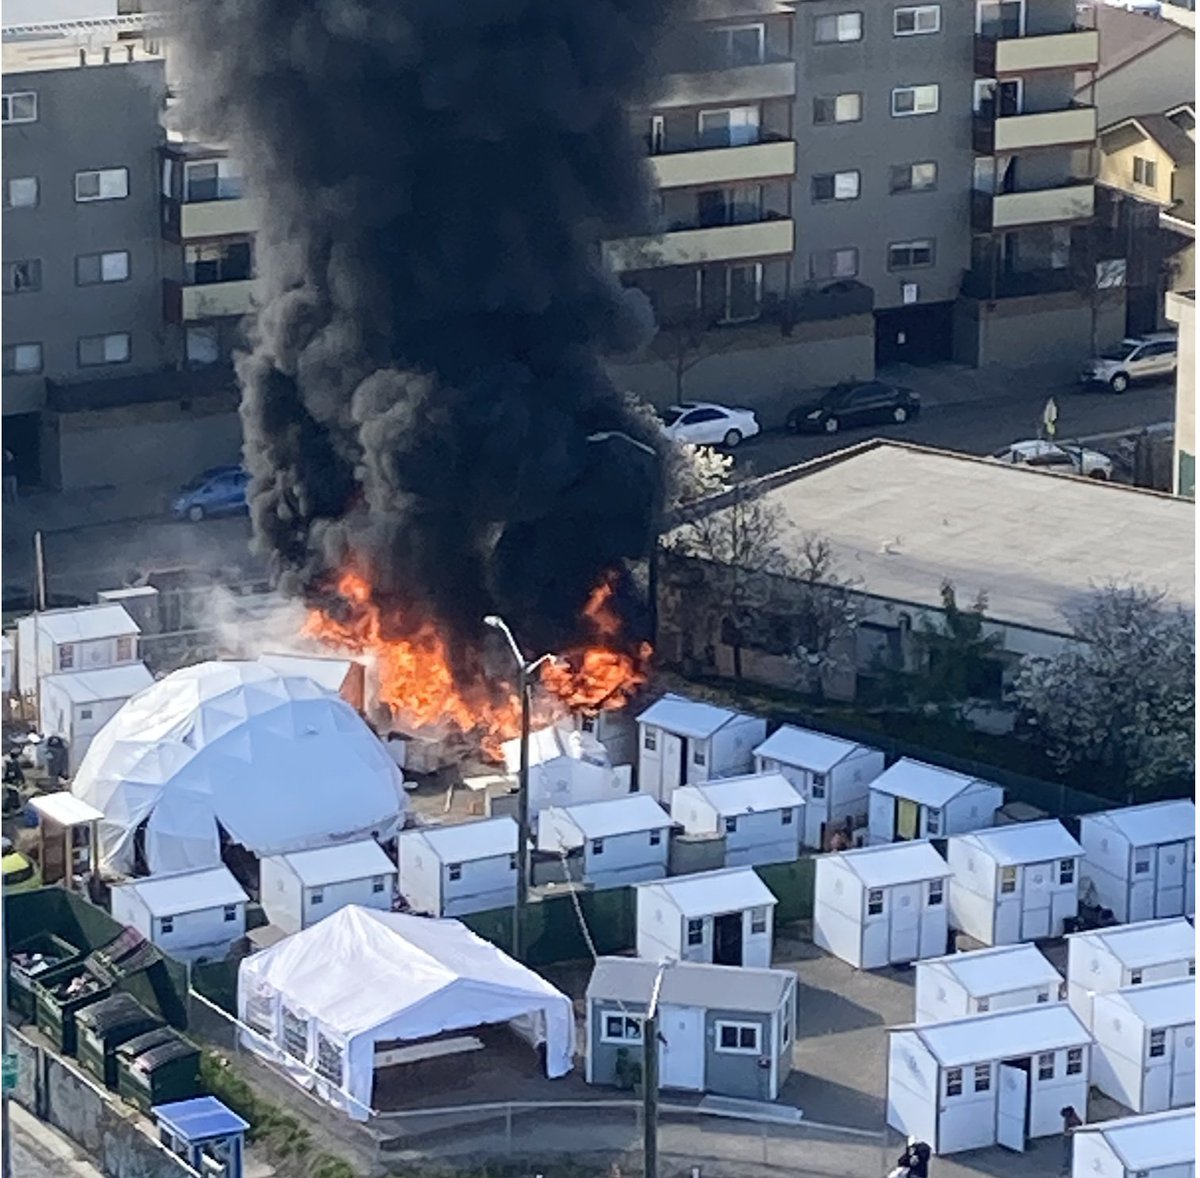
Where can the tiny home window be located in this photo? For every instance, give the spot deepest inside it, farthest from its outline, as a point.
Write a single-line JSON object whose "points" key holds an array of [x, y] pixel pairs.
{"points": [[512, 862], [1135, 977], [622, 1028], [698, 757], [1066, 871], [317, 896], [695, 932], [818, 785], [650, 740], [588, 724], [167, 924], [1191, 969], [785, 817], [1043, 996], [66, 656], [1046, 1065], [85, 713], [376, 885], [1008, 880], [230, 912], [1158, 1044], [983, 1077], [1062, 991], [983, 1005], [933, 822], [738, 1038], [758, 920], [937, 891], [875, 902], [597, 846], [655, 838], [1075, 1061], [954, 1081], [124, 648], [730, 825], [1141, 864], [454, 871], [787, 1028]]}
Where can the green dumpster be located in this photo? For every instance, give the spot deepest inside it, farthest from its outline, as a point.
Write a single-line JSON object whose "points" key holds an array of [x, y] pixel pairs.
{"points": [[61, 997], [36, 959], [103, 1026], [158, 1067]]}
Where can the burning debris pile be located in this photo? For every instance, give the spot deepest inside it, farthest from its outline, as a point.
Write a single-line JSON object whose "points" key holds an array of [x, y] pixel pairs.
{"points": [[430, 430]]}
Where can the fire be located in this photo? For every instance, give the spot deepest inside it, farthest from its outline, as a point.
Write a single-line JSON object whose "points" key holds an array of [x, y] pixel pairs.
{"points": [[414, 677]]}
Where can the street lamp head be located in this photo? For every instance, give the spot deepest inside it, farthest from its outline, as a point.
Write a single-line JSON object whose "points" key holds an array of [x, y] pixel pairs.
{"points": [[495, 621]]}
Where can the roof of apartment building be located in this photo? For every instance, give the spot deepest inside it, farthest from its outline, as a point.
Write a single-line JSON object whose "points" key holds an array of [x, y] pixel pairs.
{"points": [[901, 519], [43, 49], [1172, 138]]}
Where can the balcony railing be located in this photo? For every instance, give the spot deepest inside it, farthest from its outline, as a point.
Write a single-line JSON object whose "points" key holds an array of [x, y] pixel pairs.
{"points": [[1000, 284], [1023, 132], [1071, 201], [686, 246], [742, 84], [215, 300], [186, 220], [1011, 53], [724, 165]]}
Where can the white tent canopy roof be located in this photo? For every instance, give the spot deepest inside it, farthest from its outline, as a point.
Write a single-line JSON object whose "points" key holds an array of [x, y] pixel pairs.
{"points": [[280, 763]]}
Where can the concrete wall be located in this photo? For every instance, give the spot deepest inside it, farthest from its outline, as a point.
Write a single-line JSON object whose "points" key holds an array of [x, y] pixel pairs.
{"points": [[56, 1092]]}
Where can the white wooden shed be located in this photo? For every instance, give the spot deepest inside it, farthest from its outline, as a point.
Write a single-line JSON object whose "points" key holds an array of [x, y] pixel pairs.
{"points": [[832, 775], [1158, 1145], [879, 906], [1101, 961], [913, 800], [684, 742], [995, 1079], [190, 915], [1145, 1054], [455, 870], [82, 639], [1014, 883], [299, 888], [760, 816], [1142, 859], [566, 768], [614, 728], [715, 917], [77, 704], [619, 842], [8, 664], [1004, 978]]}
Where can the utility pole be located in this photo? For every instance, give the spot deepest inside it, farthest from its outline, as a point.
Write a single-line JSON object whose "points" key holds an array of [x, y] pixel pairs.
{"points": [[650, 1079], [5, 1130]]}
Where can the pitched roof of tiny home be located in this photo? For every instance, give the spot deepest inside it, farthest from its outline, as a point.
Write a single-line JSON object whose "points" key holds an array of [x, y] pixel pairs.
{"points": [[552, 742], [925, 784], [686, 717], [1005, 1034], [995, 971], [1162, 1004], [361, 859], [1147, 941], [628, 815], [1024, 842], [481, 838], [1155, 822], [188, 891], [709, 892], [87, 623], [102, 683], [749, 794], [1151, 1141], [805, 749], [893, 863], [687, 983]]}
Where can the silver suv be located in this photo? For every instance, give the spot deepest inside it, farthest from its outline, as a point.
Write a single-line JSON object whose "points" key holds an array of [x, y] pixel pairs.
{"points": [[1143, 357]]}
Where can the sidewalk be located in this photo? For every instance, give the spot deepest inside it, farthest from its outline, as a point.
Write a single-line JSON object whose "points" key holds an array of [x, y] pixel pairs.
{"points": [[41, 1151], [58, 512]]}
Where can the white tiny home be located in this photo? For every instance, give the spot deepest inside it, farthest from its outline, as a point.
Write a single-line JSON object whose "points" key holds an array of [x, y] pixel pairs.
{"points": [[624, 841], [683, 742], [879, 906], [189, 915], [1014, 883], [833, 776], [8, 664], [1142, 859], [1158, 1145], [615, 729], [301, 887], [77, 704], [1101, 961], [82, 639], [760, 817], [912, 800], [1145, 1054], [714, 917], [1005, 978], [995, 1079], [566, 768], [455, 870]]}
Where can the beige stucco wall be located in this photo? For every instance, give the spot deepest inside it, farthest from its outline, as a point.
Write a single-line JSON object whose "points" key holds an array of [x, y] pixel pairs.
{"points": [[1181, 309]]}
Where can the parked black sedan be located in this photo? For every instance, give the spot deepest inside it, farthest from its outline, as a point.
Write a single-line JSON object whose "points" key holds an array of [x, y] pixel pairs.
{"points": [[854, 404]]}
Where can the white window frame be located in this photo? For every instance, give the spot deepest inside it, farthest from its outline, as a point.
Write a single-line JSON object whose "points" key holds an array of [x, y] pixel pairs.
{"points": [[66, 656], [847, 28], [985, 86], [917, 11], [1008, 881], [982, 1077], [837, 100], [316, 896], [979, 7], [910, 169], [378, 883], [846, 186], [916, 90], [230, 912], [916, 242], [875, 901], [694, 932], [1156, 1044], [632, 1028], [115, 262], [124, 648], [758, 921], [936, 895], [738, 1027], [787, 816], [597, 846], [731, 824], [834, 275], [227, 169], [1066, 872], [111, 347], [166, 925], [8, 102], [817, 788], [116, 180], [656, 838], [454, 872], [1046, 1066], [11, 184], [743, 129], [726, 32], [1074, 1061], [933, 821], [954, 1082], [650, 740]]}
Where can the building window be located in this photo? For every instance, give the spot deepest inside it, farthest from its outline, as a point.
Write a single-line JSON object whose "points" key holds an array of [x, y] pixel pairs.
{"points": [[920, 177], [733, 126], [874, 901], [845, 26], [621, 1028], [786, 817], [230, 912], [317, 896], [838, 108], [597, 846], [95, 350], [910, 255], [1141, 864], [916, 21], [954, 1081], [21, 277], [933, 822], [212, 180], [818, 782], [223, 261], [1075, 1061], [66, 656], [914, 100], [18, 107], [836, 263], [167, 924], [91, 269], [731, 825], [124, 648], [739, 44], [743, 292], [695, 932], [454, 872], [1158, 1044], [983, 1077], [738, 1038], [1066, 871], [937, 889], [650, 740], [698, 756], [202, 344], [656, 838], [1046, 1066], [102, 184], [758, 920], [835, 186], [21, 193], [376, 885], [1145, 172], [1135, 977]]}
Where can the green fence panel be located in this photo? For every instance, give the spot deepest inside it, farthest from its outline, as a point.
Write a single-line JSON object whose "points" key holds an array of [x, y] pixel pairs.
{"points": [[792, 885]]}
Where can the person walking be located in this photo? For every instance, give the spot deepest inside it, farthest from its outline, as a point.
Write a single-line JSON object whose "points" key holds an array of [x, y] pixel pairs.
{"points": [[1071, 1122], [914, 1161]]}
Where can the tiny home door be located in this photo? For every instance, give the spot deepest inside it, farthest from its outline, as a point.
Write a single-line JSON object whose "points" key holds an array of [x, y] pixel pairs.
{"points": [[1142, 887], [681, 1048], [1183, 1067], [906, 820], [904, 910], [1035, 901], [674, 771], [727, 939], [1012, 1104], [1172, 861]]}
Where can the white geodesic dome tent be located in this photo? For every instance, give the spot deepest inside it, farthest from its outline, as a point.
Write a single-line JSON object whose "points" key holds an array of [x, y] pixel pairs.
{"points": [[274, 759]]}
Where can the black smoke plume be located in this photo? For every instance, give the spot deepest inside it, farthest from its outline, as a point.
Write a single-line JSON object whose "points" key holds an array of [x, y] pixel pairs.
{"points": [[424, 375]]}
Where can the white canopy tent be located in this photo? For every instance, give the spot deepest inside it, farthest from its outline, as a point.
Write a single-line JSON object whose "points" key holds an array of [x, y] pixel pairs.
{"points": [[325, 996], [277, 761]]}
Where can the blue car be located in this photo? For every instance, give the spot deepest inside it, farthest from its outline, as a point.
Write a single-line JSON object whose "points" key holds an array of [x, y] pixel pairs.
{"points": [[219, 491]]}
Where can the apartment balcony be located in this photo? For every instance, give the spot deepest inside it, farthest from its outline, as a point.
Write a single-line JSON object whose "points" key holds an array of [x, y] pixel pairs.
{"points": [[218, 218], [1052, 128], [715, 243], [996, 283], [725, 165], [1075, 201], [740, 84], [998, 54], [209, 300]]}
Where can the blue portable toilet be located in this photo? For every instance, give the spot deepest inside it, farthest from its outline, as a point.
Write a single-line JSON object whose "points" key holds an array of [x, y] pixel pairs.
{"points": [[203, 1132]]}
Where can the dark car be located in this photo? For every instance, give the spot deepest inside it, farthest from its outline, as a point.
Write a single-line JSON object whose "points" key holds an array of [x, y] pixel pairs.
{"points": [[219, 491], [855, 404]]}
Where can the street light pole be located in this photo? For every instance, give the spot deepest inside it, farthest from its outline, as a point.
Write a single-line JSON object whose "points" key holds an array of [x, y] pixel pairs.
{"points": [[650, 1078]]}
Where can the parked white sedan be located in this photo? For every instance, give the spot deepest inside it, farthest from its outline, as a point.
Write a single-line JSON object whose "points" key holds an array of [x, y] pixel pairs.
{"points": [[699, 423], [1064, 458]]}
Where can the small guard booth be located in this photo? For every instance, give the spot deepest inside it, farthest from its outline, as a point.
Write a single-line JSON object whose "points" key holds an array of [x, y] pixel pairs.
{"points": [[995, 1079], [1160, 1145], [912, 800], [879, 906], [1014, 883], [301, 887], [832, 775], [1145, 1054], [961, 985], [609, 844], [1142, 859], [205, 1134], [760, 816], [713, 917], [68, 838]]}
